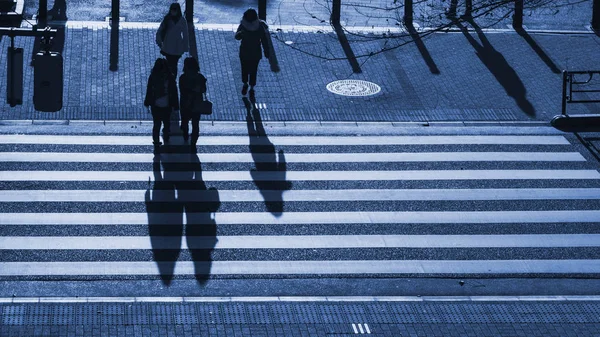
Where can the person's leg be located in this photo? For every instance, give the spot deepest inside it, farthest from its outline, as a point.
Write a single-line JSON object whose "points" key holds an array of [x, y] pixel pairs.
{"points": [[156, 119], [253, 65], [172, 61], [244, 76], [195, 129], [166, 119], [185, 121]]}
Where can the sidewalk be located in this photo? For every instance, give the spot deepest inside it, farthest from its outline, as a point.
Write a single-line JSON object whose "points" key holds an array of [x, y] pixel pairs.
{"points": [[476, 79], [280, 318]]}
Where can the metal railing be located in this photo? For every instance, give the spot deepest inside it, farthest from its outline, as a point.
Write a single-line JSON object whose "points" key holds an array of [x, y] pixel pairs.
{"points": [[577, 78]]}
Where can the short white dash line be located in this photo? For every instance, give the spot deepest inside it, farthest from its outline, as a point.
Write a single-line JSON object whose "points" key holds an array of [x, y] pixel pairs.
{"points": [[354, 328], [367, 328], [361, 328]]}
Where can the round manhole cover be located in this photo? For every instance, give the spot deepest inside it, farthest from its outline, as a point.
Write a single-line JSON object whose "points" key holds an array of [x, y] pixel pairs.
{"points": [[353, 88]]}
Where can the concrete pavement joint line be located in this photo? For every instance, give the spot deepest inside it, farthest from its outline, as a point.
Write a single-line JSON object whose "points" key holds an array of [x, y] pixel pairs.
{"points": [[297, 28], [334, 299]]}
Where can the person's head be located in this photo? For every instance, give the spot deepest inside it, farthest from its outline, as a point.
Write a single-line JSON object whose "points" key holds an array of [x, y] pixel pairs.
{"points": [[175, 9], [160, 66], [250, 15], [190, 65]]}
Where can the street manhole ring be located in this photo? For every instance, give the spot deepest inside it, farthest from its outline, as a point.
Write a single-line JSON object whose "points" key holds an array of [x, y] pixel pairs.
{"points": [[353, 88]]}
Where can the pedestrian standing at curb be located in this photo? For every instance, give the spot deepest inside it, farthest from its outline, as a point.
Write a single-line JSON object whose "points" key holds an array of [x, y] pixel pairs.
{"points": [[251, 32], [161, 97], [192, 87], [172, 37]]}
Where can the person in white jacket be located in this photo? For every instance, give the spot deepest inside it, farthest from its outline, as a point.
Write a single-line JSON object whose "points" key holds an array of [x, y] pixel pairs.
{"points": [[172, 37]]}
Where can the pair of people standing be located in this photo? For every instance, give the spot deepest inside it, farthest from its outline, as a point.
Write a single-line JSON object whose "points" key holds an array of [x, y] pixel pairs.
{"points": [[161, 92]]}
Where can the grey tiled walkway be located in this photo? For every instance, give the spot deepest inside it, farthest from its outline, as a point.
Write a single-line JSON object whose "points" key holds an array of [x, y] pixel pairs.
{"points": [[452, 318]]}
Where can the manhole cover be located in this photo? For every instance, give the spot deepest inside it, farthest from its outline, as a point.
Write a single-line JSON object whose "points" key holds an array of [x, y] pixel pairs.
{"points": [[353, 88]]}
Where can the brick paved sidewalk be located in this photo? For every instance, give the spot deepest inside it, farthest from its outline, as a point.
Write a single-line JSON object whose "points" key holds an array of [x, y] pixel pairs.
{"points": [[252, 319], [463, 76]]}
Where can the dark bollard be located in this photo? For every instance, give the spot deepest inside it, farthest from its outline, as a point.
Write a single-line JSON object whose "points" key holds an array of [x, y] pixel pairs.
{"points": [[408, 13], [596, 16], [114, 36], [336, 11], [262, 9], [518, 16], [189, 10]]}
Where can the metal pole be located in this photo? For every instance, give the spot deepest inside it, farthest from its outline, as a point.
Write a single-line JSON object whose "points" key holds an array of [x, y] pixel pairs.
{"points": [[336, 11], [596, 15], [564, 93], [114, 36], [262, 9], [518, 16], [408, 13], [43, 13], [189, 10], [11, 99]]}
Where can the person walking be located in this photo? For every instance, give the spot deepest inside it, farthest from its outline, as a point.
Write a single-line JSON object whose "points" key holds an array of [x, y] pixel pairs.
{"points": [[172, 37], [192, 87], [161, 97], [251, 33]]}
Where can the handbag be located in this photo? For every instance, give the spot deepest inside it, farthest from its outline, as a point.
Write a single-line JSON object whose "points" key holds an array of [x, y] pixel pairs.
{"points": [[204, 107]]}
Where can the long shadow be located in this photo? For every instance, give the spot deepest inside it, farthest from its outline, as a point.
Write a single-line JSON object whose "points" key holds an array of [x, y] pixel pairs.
{"points": [[347, 48], [200, 204], [165, 218], [269, 175], [538, 50], [192, 40], [58, 16], [499, 67], [423, 50]]}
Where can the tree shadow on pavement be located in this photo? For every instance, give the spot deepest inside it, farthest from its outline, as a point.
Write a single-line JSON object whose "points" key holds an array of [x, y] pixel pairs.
{"points": [[423, 49], [538, 50], [499, 67], [270, 172], [181, 191]]}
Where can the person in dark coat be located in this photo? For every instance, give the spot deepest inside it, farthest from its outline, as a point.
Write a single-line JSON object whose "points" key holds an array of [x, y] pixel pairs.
{"points": [[172, 37], [161, 97], [192, 87], [251, 32]]}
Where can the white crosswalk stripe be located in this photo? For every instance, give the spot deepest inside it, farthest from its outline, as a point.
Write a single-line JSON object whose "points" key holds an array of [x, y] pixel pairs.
{"points": [[299, 228]]}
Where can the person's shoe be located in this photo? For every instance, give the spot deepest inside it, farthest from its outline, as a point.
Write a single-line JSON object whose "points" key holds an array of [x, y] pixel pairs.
{"points": [[252, 96], [245, 89]]}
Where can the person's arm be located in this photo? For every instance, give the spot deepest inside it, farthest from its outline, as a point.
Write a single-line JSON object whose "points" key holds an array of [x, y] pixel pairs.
{"points": [[239, 33], [174, 98], [183, 91], [148, 99], [186, 35], [263, 39], [159, 40]]}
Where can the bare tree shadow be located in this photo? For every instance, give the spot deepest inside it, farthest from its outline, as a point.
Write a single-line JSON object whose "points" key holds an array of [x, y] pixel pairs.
{"points": [[538, 50], [165, 219], [200, 204], [270, 172], [499, 67], [423, 49]]}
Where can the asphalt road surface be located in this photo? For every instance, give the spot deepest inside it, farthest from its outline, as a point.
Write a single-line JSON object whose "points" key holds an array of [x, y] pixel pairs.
{"points": [[306, 210]]}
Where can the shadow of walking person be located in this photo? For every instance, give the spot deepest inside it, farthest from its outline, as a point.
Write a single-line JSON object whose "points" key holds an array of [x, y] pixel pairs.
{"points": [[200, 205], [499, 67], [270, 167], [165, 219]]}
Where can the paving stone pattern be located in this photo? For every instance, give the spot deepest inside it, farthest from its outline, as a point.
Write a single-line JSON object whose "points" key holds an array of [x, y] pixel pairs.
{"points": [[474, 82], [556, 14], [302, 319]]}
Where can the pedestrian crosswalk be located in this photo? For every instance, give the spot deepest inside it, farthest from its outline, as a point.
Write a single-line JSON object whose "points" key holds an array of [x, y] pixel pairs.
{"points": [[418, 205]]}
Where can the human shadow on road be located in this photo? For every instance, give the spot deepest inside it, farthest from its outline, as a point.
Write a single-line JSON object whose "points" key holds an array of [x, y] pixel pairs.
{"points": [[200, 203], [499, 67], [538, 50], [165, 219], [180, 191], [270, 167]]}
